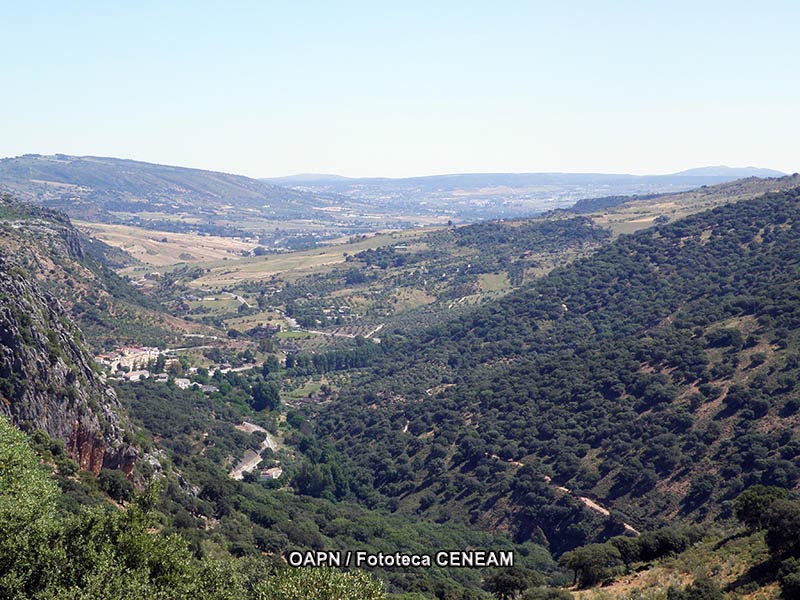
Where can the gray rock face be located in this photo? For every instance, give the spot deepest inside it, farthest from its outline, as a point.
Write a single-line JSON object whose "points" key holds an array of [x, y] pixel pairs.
{"points": [[48, 381]]}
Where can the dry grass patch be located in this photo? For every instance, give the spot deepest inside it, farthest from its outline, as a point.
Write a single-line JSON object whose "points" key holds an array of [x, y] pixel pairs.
{"points": [[160, 248]]}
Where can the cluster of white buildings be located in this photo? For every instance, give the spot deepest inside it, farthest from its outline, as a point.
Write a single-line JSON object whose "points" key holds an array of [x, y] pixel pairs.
{"points": [[130, 358], [185, 384]]}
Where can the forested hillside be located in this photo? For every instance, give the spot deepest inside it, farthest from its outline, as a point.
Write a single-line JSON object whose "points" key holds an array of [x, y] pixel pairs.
{"points": [[49, 553], [657, 376], [645, 384]]}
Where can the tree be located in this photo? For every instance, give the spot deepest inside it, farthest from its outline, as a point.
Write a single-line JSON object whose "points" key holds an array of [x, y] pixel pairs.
{"points": [[115, 484], [27, 517], [591, 564], [790, 578], [701, 488], [113, 554], [354, 277], [507, 583], [312, 480], [628, 549], [751, 506], [271, 365], [294, 419], [266, 395], [783, 528]]}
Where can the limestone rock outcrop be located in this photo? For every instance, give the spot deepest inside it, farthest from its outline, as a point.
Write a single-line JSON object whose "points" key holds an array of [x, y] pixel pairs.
{"points": [[48, 380]]}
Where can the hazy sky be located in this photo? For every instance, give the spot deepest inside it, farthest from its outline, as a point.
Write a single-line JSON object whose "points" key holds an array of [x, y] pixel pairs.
{"points": [[405, 88]]}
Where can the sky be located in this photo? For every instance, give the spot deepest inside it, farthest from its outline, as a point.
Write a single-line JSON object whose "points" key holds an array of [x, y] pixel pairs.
{"points": [[405, 88]]}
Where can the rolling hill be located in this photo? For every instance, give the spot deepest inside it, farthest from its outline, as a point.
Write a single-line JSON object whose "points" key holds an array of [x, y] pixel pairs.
{"points": [[97, 188], [729, 172], [170, 198]]}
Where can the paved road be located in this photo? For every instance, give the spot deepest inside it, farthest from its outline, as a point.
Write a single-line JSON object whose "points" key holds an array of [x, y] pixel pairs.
{"points": [[251, 458], [239, 298]]}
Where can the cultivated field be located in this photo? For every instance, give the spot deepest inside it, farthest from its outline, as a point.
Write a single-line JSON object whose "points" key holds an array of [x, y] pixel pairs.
{"points": [[160, 248], [297, 264]]}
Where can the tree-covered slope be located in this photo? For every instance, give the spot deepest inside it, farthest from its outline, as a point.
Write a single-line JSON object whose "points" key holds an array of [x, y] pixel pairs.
{"points": [[108, 553], [658, 377]]}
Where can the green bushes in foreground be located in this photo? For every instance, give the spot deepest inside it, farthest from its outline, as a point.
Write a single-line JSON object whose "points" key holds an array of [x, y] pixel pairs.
{"points": [[769, 508], [110, 554]]}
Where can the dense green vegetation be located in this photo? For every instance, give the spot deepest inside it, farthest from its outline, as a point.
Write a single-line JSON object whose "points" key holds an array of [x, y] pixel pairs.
{"points": [[646, 366], [590, 205], [594, 563], [328, 505], [669, 358], [657, 377], [111, 554], [769, 509]]}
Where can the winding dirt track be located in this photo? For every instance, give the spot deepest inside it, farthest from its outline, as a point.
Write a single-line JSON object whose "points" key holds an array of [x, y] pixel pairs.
{"points": [[591, 504], [588, 502]]}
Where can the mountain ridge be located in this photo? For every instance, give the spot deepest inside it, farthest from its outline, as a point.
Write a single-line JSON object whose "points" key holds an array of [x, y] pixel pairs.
{"points": [[78, 270], [710, 171], [183, 199], [737, 172]]}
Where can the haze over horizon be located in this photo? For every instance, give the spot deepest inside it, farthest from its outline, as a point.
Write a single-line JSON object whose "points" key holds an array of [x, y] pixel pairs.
{"points": [[361, 90], [710, 170], [693, 171]]}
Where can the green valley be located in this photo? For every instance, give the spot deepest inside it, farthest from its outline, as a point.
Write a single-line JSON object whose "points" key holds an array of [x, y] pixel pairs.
{"points": [[594, 401]]}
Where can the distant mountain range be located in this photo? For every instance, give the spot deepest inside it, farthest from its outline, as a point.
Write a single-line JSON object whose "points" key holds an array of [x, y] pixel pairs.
{"points": [[732, 172], [721, 173], [167, 197], [473, 196]]}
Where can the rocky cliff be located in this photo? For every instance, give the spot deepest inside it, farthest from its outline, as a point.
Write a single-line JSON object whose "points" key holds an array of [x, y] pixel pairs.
{"points": [[47, 379], [79, 271]]}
